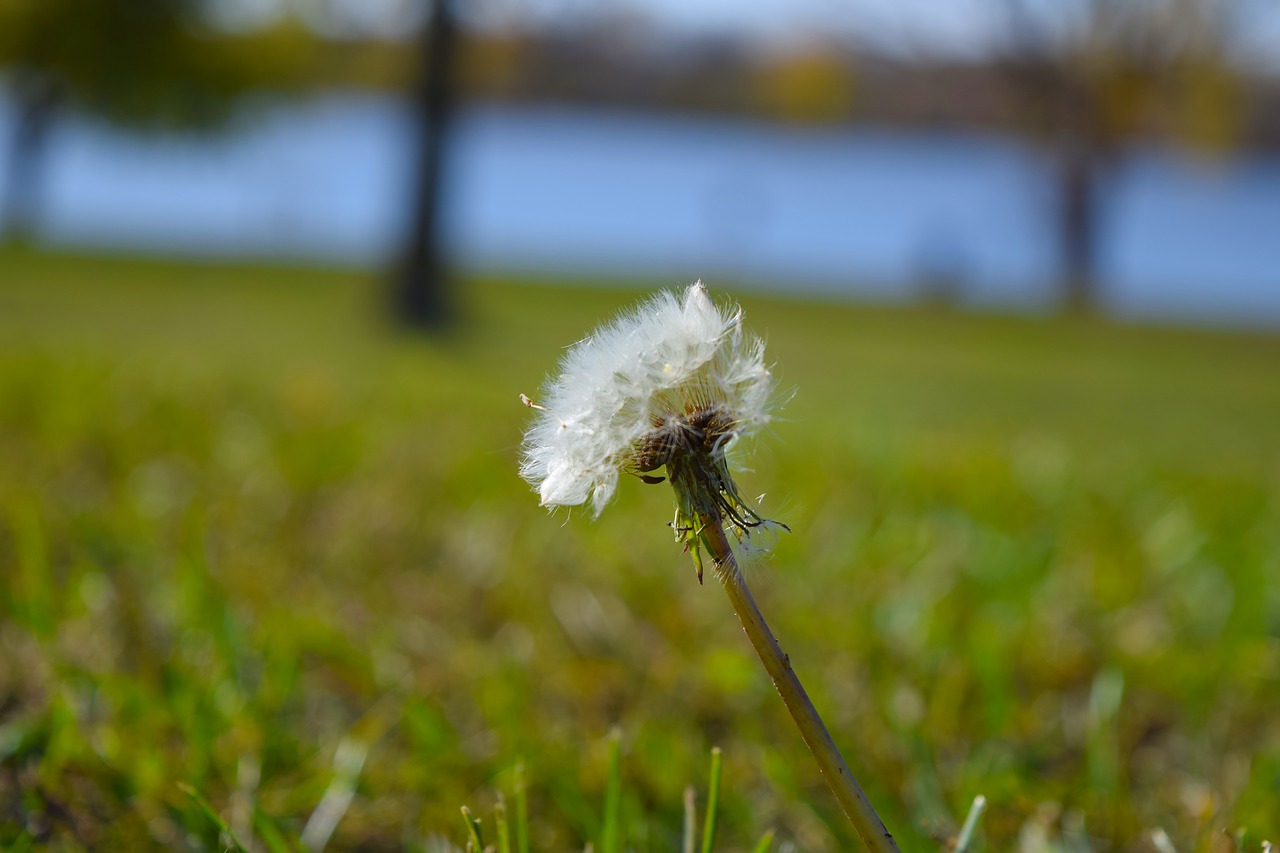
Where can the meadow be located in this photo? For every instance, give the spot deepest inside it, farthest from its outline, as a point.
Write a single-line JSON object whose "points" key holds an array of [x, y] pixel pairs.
{"points": [[270, 577]]}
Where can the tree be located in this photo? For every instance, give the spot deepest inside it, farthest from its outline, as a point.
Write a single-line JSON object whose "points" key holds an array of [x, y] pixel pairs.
{"points": [[1094, 74], [421, 288], [135, 62]]}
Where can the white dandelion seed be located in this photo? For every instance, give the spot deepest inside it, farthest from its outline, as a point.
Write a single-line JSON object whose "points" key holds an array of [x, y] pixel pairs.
{"points": [[672, 383]]}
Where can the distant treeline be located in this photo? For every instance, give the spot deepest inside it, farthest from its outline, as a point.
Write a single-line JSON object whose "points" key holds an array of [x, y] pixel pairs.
{"points": [[1190, 99]]}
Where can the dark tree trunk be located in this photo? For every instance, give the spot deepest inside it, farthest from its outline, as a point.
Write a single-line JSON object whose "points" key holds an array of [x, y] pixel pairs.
{"points": [[421, 287], [38, 104], [1078, 225], [1085, 149]]}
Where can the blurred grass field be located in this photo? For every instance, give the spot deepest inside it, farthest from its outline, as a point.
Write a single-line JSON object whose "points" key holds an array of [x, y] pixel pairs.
{"points": [[255, 542]]}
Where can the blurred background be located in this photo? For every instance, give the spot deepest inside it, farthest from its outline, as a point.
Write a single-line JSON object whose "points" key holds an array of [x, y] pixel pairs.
{"points": [[269, 579], [1117, 154]]}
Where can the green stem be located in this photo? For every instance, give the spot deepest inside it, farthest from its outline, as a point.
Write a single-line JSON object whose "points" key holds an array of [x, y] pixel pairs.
{"points": [[522, 811], [965, 838], [831, 763], [612, 795], [713, 803]]}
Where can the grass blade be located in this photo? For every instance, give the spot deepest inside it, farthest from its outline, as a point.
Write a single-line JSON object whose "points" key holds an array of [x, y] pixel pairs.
{"points": [[1106, 697], [764, 844], [26, 841], [690, 819], [226, 837], [475, 843], [713, 803], [522, 811], [504, 831], [348, 761], [270, 836], [1160, 840], [965, 838], [613, 795]]}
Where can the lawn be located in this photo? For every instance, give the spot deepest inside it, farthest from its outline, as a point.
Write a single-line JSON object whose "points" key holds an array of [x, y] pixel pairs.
{"points": [[268, 570]]}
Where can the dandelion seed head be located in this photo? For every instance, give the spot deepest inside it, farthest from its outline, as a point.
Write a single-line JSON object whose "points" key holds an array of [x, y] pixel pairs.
{"points": [[677, 376]]}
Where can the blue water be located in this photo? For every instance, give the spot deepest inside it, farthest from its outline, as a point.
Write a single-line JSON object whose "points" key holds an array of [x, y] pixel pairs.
{"points": [[863, 212]]}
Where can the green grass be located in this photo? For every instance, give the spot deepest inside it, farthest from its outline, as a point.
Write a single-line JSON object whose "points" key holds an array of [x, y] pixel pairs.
{"points": [[262, 553]]}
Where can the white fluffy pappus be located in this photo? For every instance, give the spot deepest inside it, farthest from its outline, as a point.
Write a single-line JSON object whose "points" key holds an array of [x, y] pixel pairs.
{"points": [[677, 373]]}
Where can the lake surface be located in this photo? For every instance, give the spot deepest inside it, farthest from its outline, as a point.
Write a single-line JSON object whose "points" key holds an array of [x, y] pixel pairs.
{"points": [[860, 212]]}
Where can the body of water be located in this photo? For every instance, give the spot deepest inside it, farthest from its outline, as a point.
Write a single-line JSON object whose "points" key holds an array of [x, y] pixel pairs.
{"points": [[864, 212]]}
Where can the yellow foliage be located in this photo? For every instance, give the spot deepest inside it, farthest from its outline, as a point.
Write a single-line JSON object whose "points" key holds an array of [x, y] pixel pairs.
{"points": [[1209, 107], [1126, 98], [805, 87], [492, 64]]}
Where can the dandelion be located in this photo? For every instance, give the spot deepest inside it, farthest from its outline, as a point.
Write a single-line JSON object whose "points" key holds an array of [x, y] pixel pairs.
{"points": [[672, 385]]}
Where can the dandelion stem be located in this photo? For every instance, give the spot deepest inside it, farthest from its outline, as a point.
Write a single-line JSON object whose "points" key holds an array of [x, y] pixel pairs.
{"points": [[831, 763]]}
